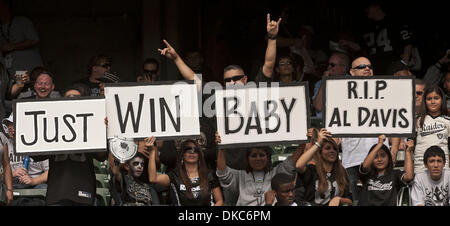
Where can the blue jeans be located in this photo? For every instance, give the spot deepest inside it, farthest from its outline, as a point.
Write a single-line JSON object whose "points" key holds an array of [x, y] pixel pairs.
{"points": [[353, 177], [26, 186]]}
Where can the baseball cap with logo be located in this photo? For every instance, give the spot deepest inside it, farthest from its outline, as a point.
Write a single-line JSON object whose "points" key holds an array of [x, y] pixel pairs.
{"points": [[7, 121]]}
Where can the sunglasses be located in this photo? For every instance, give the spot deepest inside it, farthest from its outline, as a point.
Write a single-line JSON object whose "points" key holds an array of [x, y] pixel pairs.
{"points": [[284, 63], [104, 65], [419, 93], [363, 66], [234, 78], [191, 150]]}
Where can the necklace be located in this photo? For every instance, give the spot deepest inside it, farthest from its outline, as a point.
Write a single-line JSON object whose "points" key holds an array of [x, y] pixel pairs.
{"points": [[258, 187]]}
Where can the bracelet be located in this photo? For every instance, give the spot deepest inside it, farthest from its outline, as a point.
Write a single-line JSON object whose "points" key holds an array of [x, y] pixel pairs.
{"points": [[9, 190], [272, 37], [318, 145]]}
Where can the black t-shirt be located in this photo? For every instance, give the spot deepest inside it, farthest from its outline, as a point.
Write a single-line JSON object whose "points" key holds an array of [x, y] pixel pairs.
{"points": [[93, 87], [380, 190], [385, 41], [180, 195], [261, 77], [71, 177], [135, 192], [310, 181]]}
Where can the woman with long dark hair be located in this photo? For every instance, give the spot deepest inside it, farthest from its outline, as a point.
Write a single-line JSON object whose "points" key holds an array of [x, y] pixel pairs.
{"points": [[433, 125], [253, 182], [191, 182], [326, 182], [381, 182]]}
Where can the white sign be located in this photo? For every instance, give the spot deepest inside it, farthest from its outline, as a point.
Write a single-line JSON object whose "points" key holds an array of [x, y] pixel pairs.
{"points": [[164, 110], [55, 126], [264, 115], [369, 106]]}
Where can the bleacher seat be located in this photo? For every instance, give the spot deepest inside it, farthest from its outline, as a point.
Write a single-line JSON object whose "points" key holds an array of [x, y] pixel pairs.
{"points": [[102, 180], [103, 197], [101, 167], [30, 193], [29, 197], [403, 197]]}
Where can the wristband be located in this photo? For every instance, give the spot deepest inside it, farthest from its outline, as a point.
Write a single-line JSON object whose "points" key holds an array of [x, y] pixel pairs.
{"points": [[318, 145], [271, 37]]}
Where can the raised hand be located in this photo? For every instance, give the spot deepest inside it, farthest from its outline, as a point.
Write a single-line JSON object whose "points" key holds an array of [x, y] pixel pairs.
{"points": [[410, 145], [149, 143], [218, 139], [323, 134], [169, 51], [381, 139], [272, 26], [310, 132]]}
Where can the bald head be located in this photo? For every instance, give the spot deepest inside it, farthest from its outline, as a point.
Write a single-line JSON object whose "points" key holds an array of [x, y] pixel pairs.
{"points": [[361, 66]]}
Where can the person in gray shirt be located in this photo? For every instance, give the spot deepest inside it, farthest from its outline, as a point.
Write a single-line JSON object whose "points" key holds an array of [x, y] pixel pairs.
{"points": [[255, 180]]}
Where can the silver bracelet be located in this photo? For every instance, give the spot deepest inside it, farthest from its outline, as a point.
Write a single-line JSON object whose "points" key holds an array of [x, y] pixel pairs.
{"points": [[318, 145]]}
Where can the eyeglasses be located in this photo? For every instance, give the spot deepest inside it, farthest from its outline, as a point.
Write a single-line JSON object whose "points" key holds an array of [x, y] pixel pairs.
{"points": [[363, 66], [419, 93], [234, 78], [284, 63], [190, 150], [104, 65]]}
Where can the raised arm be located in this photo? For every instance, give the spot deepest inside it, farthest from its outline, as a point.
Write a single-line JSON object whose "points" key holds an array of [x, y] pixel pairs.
{"points": [[161, 179], [271, 51], [307, 156], [369, 159], [185, 70], [395, 146], [16, 89], [408, 166], [221, 160]]}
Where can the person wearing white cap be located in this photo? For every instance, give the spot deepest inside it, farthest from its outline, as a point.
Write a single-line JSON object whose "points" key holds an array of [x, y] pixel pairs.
{"points": [[5, 173], [35, 176]]}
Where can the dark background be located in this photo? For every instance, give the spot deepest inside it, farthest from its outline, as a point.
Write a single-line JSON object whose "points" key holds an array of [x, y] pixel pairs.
{"points": [[226, 31]]}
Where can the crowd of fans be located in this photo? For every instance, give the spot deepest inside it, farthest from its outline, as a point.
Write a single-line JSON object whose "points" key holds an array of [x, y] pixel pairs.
{"points": [[327, 171]]}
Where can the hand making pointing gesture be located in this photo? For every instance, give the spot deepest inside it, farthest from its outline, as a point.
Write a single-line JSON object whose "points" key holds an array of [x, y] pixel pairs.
{"points": [[169, 51]]}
